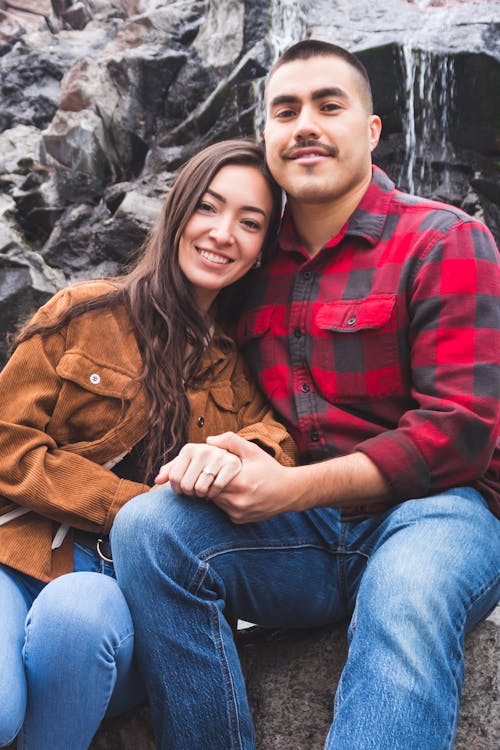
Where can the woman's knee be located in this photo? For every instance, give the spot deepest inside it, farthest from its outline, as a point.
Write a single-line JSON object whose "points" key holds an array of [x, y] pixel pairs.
{"points": [[77, 607], [13, 696]]}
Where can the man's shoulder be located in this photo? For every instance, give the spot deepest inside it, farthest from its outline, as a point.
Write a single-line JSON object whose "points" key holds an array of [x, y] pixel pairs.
{"points": [[428, 213]]}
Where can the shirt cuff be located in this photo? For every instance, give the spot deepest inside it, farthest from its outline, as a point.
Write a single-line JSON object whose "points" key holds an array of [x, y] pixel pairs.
{"points": [[401, 464]]}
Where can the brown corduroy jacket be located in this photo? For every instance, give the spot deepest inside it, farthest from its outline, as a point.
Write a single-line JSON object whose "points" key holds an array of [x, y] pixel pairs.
{"points": [[70, 406]]}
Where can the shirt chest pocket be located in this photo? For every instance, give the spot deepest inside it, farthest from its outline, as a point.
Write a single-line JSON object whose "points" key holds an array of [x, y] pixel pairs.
{"points": [[93, 399], [355, 352]]}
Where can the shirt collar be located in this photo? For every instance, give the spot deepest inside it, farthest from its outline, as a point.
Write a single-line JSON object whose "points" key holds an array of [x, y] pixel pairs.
{"points": [[367, 221]]}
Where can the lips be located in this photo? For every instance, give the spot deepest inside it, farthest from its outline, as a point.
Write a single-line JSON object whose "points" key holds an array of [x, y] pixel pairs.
{"points": [[309, 150], [214, 257]]}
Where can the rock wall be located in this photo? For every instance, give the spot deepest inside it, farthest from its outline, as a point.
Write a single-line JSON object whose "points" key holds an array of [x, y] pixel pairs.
{"points": [[102, 100]]}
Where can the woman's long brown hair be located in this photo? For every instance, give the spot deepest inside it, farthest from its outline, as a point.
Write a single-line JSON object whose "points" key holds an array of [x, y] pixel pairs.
{"points": [[159, 299]]}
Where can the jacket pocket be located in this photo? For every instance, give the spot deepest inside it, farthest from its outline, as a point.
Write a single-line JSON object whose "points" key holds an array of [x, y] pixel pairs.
{"points": [[93, 399], [355, 353]]}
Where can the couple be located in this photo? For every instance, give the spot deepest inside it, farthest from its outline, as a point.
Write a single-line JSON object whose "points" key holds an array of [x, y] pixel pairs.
{"points": [[372, 329]]}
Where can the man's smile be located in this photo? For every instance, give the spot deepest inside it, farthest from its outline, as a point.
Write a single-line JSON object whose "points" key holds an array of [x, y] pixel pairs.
{"points": [[309, 150]]}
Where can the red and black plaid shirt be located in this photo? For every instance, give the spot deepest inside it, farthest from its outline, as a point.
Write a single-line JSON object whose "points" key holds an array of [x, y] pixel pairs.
{"points": [[387, 342]]}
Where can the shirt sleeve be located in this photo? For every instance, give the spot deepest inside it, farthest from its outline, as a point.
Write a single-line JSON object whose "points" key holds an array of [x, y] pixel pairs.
{"points": [[447, 438], [35, 472]]}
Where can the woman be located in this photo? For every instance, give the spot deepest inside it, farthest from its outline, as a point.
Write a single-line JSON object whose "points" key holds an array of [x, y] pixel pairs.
{"points": [[105, 384]]}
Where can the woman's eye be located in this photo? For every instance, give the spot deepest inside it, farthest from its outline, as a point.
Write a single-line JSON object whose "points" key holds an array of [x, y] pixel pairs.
{"points": [[205, 206], [251, 224]]}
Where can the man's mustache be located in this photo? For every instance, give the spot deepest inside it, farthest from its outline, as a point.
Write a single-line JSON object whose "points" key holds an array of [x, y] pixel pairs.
{"points": [[290, 153]]}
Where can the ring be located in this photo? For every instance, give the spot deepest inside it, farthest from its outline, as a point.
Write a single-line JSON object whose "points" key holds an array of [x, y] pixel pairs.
{"points": [[208, 471]]}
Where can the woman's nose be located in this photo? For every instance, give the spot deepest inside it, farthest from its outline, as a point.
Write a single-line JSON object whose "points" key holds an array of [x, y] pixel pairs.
{"points": [[222, 233]]}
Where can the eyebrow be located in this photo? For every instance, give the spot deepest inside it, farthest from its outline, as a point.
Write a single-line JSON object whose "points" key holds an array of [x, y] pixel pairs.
{"points": [[221, 198], [318, 94]]}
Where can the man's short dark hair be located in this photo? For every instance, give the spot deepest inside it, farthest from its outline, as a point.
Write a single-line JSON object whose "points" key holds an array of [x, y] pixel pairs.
{"points": [[308, 48]]}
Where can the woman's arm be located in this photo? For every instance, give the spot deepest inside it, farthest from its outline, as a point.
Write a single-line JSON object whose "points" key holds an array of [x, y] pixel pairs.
{"points": [[36, 471]]}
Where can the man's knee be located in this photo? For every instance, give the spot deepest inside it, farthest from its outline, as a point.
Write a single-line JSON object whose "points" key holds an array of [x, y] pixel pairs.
{"points": [[435, 559]]}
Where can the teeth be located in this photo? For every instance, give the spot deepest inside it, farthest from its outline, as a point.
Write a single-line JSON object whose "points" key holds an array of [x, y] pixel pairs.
{"points": [[310, 156], [214, 258]]}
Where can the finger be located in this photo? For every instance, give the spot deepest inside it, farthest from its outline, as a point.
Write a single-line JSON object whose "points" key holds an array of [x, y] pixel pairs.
{"points": [[204, 482], [178, 468], [233, 443], [228, 472], [163, 474], [197, 472]]}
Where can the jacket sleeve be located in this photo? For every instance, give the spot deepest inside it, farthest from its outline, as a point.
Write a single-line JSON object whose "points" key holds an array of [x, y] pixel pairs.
{"points": [[258, 423], [37, 473], [447, 439]]}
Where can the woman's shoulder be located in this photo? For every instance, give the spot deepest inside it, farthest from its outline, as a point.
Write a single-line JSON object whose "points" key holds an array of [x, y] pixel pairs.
{"points": [[82, 292]]}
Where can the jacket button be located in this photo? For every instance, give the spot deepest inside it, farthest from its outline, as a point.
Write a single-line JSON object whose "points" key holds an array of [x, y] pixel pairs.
{"points": [[304, 388], [200, 421], [352, 320], [95, 379]]}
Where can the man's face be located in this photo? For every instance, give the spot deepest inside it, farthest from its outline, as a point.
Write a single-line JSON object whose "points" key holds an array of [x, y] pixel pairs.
{"points": [[319, 133]]}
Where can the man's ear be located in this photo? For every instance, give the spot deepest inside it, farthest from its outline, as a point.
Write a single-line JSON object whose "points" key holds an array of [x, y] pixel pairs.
{"points": [[375, 129]]}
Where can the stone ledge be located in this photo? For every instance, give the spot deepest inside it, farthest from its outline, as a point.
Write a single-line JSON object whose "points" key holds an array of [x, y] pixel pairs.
{"points": [[292, 676]]}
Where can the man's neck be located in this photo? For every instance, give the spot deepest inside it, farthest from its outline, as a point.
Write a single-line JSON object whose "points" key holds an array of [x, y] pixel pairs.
{"points": [[317, 223]]}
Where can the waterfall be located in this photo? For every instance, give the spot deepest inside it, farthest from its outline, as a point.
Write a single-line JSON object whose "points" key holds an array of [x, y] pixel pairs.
{"points": [[287, 26], [429, 96]]}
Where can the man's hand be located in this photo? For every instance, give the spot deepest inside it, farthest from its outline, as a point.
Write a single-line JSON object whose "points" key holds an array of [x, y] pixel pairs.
{"points": [[261, 489], [199, 468]]}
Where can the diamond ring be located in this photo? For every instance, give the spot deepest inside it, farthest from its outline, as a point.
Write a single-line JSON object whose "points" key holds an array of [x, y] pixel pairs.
{"points": [[208, 471]]}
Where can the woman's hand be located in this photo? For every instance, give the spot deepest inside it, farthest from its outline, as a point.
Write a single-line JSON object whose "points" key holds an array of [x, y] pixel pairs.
{"points": [[199, 468]]}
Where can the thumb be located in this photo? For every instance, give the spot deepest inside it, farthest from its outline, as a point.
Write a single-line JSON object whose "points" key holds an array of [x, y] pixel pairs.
{"points": [[233, 443]]}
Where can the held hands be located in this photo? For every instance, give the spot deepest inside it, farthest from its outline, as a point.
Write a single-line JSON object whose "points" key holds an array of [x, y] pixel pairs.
{"points": [[247, 483], [199, 469]]}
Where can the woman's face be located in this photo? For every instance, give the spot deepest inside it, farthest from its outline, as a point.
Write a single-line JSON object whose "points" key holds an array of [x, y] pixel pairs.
{"points": [[224, 236]]}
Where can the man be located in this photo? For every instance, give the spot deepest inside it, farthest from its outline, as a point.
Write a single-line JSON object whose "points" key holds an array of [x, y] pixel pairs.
{"points": [[374, 332]]}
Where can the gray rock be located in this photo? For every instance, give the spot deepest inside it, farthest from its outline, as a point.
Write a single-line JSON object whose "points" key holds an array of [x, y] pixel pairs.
{"points": [[26, 282], [291, 679]]}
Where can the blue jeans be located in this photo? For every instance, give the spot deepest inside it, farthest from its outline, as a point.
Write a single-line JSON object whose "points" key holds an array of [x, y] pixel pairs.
{"points": [[412, 581], [66, 655]]}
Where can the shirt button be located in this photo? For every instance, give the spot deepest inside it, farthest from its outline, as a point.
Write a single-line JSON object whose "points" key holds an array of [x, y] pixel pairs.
{"points": [[95, 379], [297, 332], [200, 421], [352, 320], [304, 388], [315, 436], [307, 275]]}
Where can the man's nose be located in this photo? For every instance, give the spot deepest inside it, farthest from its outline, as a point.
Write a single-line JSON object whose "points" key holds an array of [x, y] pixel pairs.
{"points": [[306, 125]]}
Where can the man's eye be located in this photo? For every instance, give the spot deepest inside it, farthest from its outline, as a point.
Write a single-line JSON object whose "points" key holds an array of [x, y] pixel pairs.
{"points": [[330, 107], [284, 114]]}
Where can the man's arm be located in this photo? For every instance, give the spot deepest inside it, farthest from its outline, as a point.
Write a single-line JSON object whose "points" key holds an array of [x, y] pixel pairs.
{"points": [[263, 488]]}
